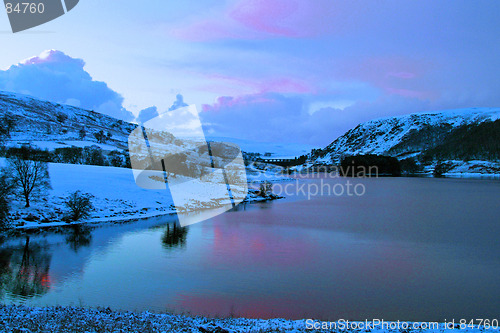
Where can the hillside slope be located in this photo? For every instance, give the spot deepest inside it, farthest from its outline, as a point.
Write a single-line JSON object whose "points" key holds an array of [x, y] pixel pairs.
{"points": [[471, 141], [404, 136], [465, 139], [51, 125]]}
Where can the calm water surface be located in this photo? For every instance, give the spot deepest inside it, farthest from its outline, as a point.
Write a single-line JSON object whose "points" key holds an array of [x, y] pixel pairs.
{"points": [[409, 249]]}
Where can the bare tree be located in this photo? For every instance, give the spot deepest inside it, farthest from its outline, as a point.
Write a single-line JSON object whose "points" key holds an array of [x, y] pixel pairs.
{"points": [[29, 177], [79, 204], [7, 124], [5, 191]]}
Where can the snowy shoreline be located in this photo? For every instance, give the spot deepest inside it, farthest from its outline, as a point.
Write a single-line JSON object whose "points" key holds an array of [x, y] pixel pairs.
{"points": [[20, 318], [115, 196], [96, 222]]}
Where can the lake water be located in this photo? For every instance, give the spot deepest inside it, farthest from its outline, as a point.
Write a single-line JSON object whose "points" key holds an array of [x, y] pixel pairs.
{"points": [[408, 249]]}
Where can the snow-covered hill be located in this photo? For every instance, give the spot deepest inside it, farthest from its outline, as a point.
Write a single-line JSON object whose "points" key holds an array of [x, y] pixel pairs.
{"points": [[403, 136], [50, 125]]}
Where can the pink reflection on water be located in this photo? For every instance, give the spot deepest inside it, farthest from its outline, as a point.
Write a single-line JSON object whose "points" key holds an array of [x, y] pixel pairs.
{"points": [[239, 244], [321, 272]]}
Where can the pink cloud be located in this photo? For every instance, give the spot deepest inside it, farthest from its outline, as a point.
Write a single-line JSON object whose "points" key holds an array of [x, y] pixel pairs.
{"points": [[225, 102], [237, 85], [52, 56], [261, 19], [395, 75], [212, 29], [269, 16], [285, 85], [382, 68]]}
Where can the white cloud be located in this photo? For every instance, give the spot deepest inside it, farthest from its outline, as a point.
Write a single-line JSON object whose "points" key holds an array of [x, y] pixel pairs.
{"points": [[147, 114], [59, 78]]}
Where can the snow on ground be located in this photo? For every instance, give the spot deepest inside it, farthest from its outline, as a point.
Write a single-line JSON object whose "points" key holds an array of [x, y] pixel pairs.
{"points": [[117, 197], [51, 125], [19, 318]]}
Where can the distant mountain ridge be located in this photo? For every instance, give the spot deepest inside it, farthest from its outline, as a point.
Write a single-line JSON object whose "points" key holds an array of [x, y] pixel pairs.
{"points": [[456, 136], [404, 136]]}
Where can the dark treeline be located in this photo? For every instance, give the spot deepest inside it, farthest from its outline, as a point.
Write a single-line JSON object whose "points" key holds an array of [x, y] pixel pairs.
{"points": [[92, 155], [468, 142], [176, 164], [370, 166], [422, 139]]}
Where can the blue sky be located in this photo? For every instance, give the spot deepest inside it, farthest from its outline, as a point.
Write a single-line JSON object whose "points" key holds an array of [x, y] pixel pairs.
{"points": [[274, 70]]}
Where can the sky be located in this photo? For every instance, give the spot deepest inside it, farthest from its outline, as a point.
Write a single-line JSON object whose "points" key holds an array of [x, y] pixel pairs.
{"points": [[267, 70]]}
